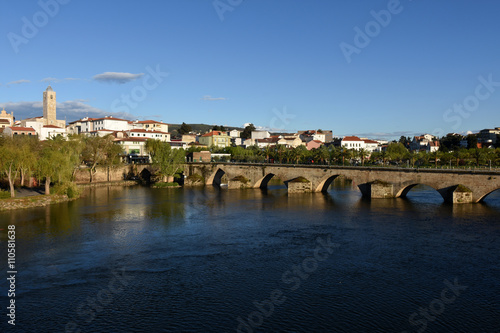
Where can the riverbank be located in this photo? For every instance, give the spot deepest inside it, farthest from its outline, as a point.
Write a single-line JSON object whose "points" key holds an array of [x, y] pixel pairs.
{"points": [[35, 199], [101, 184], [32, 201]]}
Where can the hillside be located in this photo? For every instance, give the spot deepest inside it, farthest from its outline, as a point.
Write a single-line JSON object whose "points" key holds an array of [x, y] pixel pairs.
{"points": [[201, 128]]}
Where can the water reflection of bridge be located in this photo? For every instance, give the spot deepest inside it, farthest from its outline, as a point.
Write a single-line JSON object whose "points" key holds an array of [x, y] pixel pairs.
{"points": [[455, 186]]}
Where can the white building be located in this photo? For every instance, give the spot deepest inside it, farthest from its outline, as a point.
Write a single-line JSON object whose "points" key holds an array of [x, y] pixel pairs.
{"points": [[371, 145], [353, 142], [260, 135], [51, 131], [421, 142], [312, 135], [110, 123], [151, 125], [234, 133], [145, 134]]}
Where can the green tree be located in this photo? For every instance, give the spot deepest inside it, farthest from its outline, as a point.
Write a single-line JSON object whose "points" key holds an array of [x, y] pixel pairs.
{"points": [[29, 147], [363, 154], [184, 129], [405, 141], [322, 154], [450, 142], [10, 162], [165, 160], [96, 151], [346, 154], [219, 128], [471, 141], [435, 155], [76, 145], [459, 154], [54, 162], [396, 151], [267, 150], [247, 132], [113, 159], [477, 154]]}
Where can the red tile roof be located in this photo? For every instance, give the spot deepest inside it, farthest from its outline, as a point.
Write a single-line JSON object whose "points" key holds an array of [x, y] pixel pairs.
{"points": [[25, 129], [351, 138], [5, 121], [107, 118], [51, 126], [140, 130], [370, 141], [268, 140], [88, 119], [132, 139], [150, 122], [212, 133]]}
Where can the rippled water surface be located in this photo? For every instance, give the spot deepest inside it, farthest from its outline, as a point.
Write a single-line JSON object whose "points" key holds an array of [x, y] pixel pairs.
{"points": [[207, 260]]}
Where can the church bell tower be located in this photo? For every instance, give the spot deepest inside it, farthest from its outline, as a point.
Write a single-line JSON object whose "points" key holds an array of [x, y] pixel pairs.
{"points": [[49, 106]]}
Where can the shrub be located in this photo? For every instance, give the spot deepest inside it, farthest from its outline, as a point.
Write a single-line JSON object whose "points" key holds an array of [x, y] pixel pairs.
{"points": [[69, 189], [164, 185], [4, 194]]}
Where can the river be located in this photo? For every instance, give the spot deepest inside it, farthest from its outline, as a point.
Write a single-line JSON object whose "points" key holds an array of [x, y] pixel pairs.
{"points": [[135, 259]]}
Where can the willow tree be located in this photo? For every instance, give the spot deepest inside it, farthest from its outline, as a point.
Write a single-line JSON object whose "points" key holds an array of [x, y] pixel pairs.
{"points": [[99, 151], [164, 159], [29, 148], [10, 162], [55, 163]]}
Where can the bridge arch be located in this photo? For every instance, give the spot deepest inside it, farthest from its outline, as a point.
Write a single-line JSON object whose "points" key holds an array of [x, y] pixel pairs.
{"points": [[145, 175], [486, 194], [407, 188], [325, 183], [216, 178], [262, 183]]}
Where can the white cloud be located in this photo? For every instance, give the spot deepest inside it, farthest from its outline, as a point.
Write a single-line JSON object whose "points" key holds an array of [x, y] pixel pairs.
{"points": [[210, 98], [385, 135], [114, 77], [17, 82], [69, 110], [55, 80]]}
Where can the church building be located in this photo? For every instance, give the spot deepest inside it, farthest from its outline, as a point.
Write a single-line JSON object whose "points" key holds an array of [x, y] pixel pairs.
{"points": [[49, 117]]}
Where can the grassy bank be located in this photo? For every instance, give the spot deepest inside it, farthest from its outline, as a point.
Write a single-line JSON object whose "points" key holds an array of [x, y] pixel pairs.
{"points": [[61, 194], [32, 201]]}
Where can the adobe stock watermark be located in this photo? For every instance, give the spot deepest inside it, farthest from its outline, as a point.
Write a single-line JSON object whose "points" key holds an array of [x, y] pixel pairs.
{"points": [[86, 311], [280, 119], [30, 28], [470, 104], [372, 29], [139, 93], [292, 279], [223, 6], [437, 306]]}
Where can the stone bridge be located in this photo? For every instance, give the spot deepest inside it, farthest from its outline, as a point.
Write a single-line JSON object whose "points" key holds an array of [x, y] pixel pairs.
{"points": [[455, 186]]}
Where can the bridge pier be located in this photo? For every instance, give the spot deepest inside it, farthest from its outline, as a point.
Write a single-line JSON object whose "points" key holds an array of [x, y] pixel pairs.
{"points": [[239, 182], [299, 185], [457, 194], [377, 189]]}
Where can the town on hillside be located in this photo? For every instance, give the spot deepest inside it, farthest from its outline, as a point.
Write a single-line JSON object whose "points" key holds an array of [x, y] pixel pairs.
{"points": [[133, 134]]}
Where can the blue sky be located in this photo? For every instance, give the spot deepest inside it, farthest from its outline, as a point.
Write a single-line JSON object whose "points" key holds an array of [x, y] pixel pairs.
{"points": [[281, 64]]}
